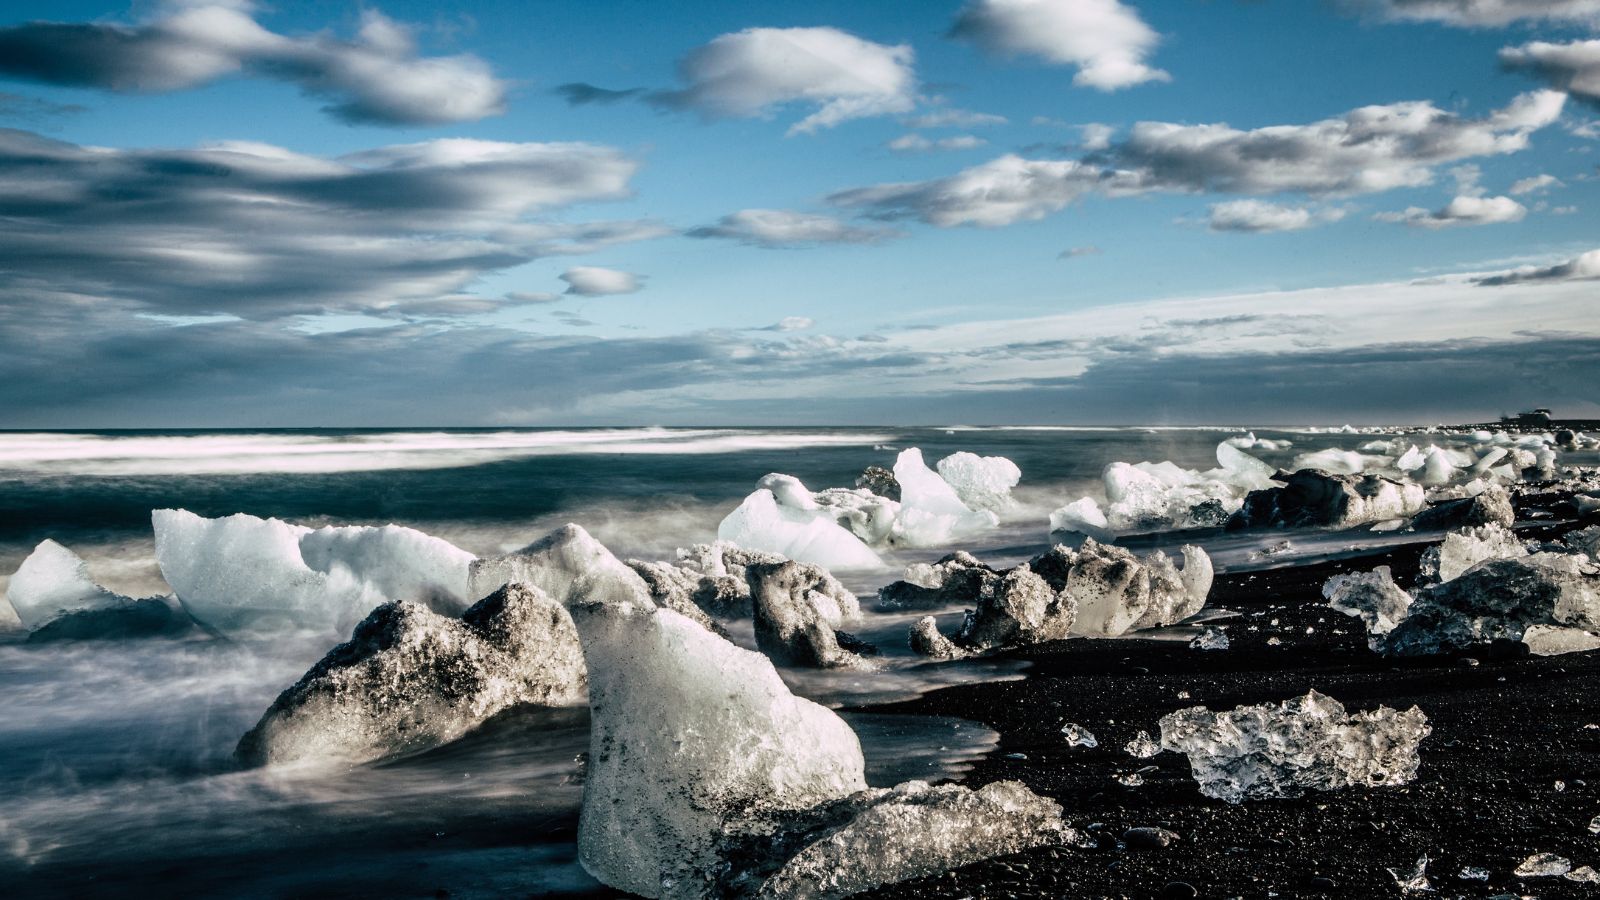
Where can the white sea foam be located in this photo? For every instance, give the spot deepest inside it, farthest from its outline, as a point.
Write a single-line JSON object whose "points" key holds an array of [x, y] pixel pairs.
{"points": [[52, 453]]}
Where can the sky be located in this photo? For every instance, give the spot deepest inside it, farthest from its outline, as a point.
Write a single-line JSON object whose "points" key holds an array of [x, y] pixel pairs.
{"points": [[234, 214]]}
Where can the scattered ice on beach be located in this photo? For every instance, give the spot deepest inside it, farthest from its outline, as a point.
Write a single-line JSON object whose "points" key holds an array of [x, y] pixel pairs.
{"points": [[1305, 743], [1372, 596], [52, 581], [1142, 746], [1210, 639], [1097, 589], [981, 482], [1543, 865], [1473, 873], [243, 576], [1415, 879], [1079, 736], [410, 679]]}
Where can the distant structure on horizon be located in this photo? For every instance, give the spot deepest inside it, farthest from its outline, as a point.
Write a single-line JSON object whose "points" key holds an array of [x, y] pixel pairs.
{"points": [[1533, 418]]}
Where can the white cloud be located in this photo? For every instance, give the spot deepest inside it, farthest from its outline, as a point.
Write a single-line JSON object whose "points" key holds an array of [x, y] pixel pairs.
{"points": [[1573, 67], [953, 118], [1536, 183], [1105, 39], [791, 323], [1096, 136], [1258, 216], [1460, 211], [786, 228], [1583, 267], [1483, 13], [1371, 149], [916, 143], [753, 72], [378, 77], [260, 231], [1077, 252], [594, 281], [531, 297]]}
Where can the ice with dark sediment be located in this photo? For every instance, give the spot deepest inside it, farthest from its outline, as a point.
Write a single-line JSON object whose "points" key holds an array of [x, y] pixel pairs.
{"points": [[1307, 743], [709, 778], [570, 566], [1312, 498], [410, 679], [1490, 504], [713, 577], [1097, 590], [55, 598], [1480, 585], [797, 617], [242, 576]]}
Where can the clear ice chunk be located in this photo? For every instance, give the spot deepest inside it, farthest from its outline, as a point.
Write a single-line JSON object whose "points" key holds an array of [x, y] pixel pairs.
{"points": [[1303, 744]]}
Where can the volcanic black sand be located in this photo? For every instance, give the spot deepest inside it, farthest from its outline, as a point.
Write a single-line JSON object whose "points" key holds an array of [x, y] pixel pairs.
{"points": [[1512, 767]]}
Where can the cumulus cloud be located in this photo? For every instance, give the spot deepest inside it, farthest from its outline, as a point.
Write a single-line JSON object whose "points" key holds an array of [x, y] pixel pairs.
{"points": [[594, 281], [1535, 184], [1367, 150], [1460, 211], [377, 77], [953, 118], [1572, 67], [1583, 267], [1105, 39], [756, 71], [1482, 13], [259, 231], [1096, 136], [787, 228], [916, 143], [1258, 216]]}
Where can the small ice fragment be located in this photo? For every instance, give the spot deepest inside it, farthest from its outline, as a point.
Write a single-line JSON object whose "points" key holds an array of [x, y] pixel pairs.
{"points": [[1273, 642], [1473, 873], [1561, 786], [1543, 865], [1594, 825], [1079, 736], [1142, 746], [1210, 639], [1130, 779], [1183, 695], [1414, 880]]}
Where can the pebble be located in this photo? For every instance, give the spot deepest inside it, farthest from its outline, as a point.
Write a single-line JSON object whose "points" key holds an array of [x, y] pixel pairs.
{"points": [[1149, 838]]}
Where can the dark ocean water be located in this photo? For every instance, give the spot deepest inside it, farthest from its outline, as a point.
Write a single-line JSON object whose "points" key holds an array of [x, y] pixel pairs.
{"points": [[117, 774]]}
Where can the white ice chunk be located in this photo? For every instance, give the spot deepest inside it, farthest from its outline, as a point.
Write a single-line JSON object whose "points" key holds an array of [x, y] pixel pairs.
{"points": [[1372, 596], [53, 580], [569, 566], [1466, 547], [1438, 469], [244, 576], [687, 732], [981, 482], [760, 523], [1333, 461], [1082, 515], [1306, 743], [931, 513]]}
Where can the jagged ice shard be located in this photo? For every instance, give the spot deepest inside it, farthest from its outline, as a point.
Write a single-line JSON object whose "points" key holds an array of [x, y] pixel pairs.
{"points": [[54, 581], [243, 576], [1304, 744]]}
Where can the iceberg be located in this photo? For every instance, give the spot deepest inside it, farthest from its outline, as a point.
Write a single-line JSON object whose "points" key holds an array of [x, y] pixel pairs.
{"points": [[242, 576], [932, 514], [53, 581], [708, 778], [410, 679], [808, 534], [1304, 744], [981, 482]]}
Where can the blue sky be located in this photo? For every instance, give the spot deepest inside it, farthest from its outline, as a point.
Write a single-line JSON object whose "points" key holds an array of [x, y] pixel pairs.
{"points": [[910, 303]]}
